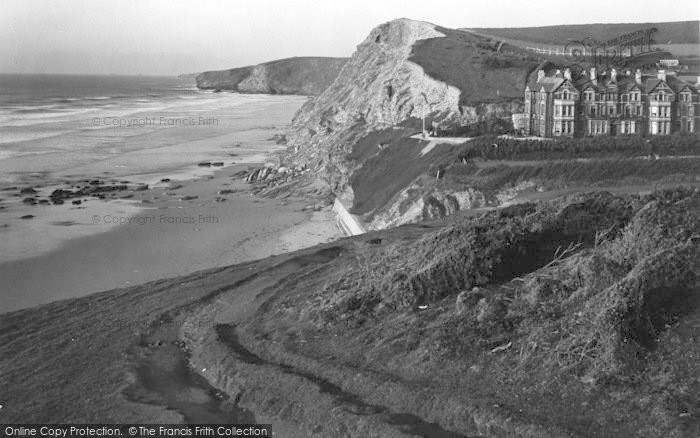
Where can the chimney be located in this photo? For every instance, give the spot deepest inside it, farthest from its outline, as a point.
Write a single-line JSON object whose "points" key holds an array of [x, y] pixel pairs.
{"points": [[661, 74], [558, 74], [540, 75], [638, 76], [594, 79], [613, 75], [567, 74], [628, 73]]}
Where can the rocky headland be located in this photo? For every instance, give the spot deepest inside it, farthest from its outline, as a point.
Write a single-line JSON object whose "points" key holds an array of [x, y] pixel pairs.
{"points": [[301, 75], [360, 140]]}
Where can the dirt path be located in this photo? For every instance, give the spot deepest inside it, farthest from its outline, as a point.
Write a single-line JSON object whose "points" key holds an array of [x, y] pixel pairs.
{"points": [[251, 381]]}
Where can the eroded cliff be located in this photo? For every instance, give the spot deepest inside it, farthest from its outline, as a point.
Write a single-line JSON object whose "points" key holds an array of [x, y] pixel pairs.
{"points": [[403, 72], [301, 75]]}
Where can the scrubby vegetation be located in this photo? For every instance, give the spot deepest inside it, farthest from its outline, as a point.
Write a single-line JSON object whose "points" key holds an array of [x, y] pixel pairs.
{"points": [[496, 248], [552, 175], [676, 32], [579, 313], [494, 148], [387, 161]]}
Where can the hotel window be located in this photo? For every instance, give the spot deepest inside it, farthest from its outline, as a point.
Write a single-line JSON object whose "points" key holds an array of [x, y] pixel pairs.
{"points": [[689, 126], [653, 111], [632, 127]]}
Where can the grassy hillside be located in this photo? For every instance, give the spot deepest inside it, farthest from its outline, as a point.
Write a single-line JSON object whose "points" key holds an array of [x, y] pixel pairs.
{"points": [[680, 32], [572, 318], [301, 75], [483, 71], [383, 172]]}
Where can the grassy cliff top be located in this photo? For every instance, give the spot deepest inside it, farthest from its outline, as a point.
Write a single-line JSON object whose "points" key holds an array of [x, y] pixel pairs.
{"points": [[481, 69], [676, 32], [299, 75]]}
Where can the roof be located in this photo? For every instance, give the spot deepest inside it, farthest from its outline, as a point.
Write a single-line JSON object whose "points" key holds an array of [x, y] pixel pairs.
{"points": [[623, 83], [651, 84], [549, 83], [679, 85]]}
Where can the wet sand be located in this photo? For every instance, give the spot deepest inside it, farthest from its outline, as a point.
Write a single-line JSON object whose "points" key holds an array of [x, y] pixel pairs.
{"points": [[179, 231]]}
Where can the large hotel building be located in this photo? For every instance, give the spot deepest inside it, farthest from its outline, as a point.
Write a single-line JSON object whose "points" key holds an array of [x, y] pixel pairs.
{"points": [[609, 103]]}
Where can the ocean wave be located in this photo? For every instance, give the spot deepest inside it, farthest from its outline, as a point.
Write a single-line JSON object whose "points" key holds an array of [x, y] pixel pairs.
{"points": [[65, 99], [22, 136]]}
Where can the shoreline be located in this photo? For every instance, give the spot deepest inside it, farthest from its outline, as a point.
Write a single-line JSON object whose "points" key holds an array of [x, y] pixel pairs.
{"points": [[205, 223], [172, 202]]}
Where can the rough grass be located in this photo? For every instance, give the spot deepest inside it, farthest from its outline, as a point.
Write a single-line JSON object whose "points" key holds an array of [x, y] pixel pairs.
{"points": [[493, 148], [608, 172], [382, 172], [388, 161], [585, 316], [495, 248], [473, 65], [677, 32]]}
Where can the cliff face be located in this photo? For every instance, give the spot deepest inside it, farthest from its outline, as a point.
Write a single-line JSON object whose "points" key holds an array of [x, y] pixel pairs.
{"points": [[403, 70], [378, 87], [303, 75]]}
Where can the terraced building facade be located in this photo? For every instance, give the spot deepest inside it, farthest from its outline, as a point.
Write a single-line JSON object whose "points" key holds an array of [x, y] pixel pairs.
{"points": [[609, 103]]}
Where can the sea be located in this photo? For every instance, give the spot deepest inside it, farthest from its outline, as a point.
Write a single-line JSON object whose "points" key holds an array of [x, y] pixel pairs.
{"points": [[59, 129], [54, 125]]}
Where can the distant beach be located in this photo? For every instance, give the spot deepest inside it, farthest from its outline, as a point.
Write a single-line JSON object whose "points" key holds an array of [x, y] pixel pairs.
{"points": [[173, 156]]}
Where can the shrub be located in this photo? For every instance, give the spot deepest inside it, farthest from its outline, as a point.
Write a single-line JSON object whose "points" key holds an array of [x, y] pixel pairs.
{"points": [[495, 148]]}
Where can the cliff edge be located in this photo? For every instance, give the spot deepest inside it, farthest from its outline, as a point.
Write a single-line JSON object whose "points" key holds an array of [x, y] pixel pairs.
{"points": [[299, 75], [405, 71]]}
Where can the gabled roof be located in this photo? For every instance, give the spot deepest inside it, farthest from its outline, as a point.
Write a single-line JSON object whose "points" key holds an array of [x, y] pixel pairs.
{"points": [[628, 84], [549, 84], [622, 84], [653, 84], [679, 85], [584, 83], [564, 83]]}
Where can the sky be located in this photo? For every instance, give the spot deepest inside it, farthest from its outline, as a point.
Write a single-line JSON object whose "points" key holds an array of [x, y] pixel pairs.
{"points": [[169, 37]]}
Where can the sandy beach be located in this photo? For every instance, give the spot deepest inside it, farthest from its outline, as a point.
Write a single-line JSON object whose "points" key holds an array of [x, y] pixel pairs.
{"points": [[181, 231], [170, 213]]}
